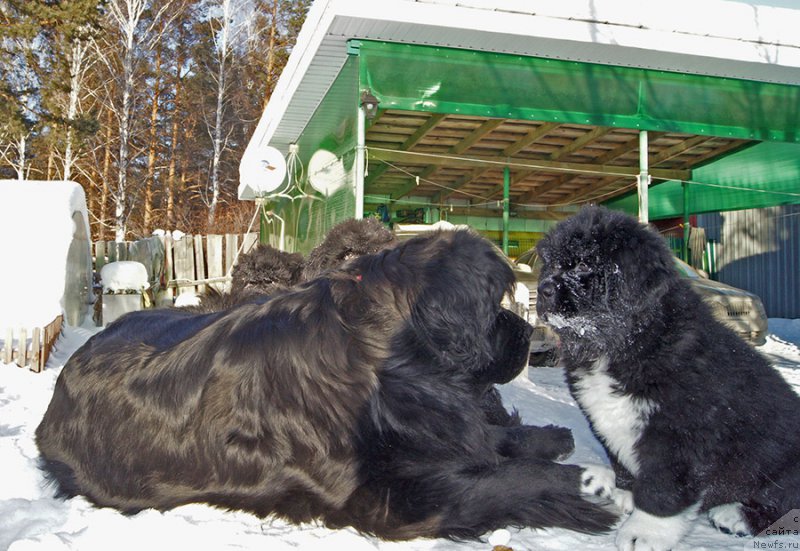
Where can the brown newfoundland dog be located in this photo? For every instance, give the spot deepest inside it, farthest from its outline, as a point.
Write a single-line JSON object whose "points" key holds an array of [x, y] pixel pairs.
{"points": [[354, 398]]}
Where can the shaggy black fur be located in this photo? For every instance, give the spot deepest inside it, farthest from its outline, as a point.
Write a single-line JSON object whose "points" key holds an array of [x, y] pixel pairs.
{"points": [[347, 240], [266, 269], [351, 398], [708, 421]]}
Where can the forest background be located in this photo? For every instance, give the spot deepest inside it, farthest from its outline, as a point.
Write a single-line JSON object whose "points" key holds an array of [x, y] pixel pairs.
{"points": [[148, 104]]}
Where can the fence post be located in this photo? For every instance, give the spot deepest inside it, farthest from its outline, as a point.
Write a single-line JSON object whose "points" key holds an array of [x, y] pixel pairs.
{"points": [[231, 247], [214, 259], [199, 262], [184, 263]]}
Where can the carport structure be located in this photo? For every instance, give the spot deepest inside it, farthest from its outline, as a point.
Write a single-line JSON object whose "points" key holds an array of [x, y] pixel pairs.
{"points": [[508, 115]]}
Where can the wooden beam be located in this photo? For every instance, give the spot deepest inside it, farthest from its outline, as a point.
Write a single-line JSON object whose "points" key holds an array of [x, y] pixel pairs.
{"points": [[481, 161], [732, 146], [528, 214], [528, 139], [677, 149], [468, 141], [590, 189], [410, 142], [619, 151], [475, 136], [578, 143], [563, 152]]}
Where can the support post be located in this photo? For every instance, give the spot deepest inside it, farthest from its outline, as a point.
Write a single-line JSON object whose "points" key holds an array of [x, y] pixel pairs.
{"points": [[360, 160], [686, 224], [263, 238], [506, 206], [643, 180]]}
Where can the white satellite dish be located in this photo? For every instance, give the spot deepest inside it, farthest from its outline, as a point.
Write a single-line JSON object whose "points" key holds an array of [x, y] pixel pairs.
{"points": [[326, 172], [262, 173]]}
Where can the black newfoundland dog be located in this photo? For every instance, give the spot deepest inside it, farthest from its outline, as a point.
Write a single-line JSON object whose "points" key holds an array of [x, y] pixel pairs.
{"points": [[691, 414], [354, 398]]}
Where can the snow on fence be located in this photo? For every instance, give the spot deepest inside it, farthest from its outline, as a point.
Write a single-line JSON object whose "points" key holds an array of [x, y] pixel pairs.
{"points": [[189, 262], [31, 352]]}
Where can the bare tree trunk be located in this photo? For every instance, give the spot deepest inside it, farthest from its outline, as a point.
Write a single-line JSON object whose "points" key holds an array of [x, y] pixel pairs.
{"points": [[126, 15], [76, 72], [273, 30], [223, 41], [50, 164], [153, 144], [106, 176], [22, 146]]}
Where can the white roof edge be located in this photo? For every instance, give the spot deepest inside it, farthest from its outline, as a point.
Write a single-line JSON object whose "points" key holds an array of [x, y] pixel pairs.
{"points": [[722, 38]]}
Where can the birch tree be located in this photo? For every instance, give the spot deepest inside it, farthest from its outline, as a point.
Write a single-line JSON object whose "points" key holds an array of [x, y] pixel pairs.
{"points": [[228, 24], [136, 33]]}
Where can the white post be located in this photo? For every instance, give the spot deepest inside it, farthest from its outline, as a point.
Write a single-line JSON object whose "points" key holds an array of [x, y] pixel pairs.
{"points": [[360, 160], [643, 179]]}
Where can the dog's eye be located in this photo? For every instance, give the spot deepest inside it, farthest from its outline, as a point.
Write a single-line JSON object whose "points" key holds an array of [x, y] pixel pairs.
{"points": [[582, 267]]}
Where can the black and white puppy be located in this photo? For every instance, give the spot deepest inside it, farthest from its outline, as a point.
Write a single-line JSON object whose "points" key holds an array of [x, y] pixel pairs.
{"points": [[698, 419]]}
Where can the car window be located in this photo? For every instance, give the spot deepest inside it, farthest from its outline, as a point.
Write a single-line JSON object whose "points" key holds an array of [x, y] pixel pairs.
{"points": [[532, 259], [686, 270]]}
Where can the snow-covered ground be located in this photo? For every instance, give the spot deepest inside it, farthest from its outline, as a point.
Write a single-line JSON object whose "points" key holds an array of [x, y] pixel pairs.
{"points": [[30, 519]]}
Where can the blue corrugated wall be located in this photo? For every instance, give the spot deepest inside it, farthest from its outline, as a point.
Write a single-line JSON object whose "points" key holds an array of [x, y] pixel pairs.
{"points": [[759, 250]]}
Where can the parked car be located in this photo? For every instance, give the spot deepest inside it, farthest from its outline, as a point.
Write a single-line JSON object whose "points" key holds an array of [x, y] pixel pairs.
{"points": [[739, 309]]}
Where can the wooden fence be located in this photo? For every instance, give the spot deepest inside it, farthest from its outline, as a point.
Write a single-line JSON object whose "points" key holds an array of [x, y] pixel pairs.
{"points": [[31, 352], [187, 264], [182, 265]]}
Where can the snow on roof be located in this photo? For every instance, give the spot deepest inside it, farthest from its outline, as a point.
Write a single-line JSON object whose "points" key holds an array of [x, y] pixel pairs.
{"points": [[38, 223], [739, 39]]}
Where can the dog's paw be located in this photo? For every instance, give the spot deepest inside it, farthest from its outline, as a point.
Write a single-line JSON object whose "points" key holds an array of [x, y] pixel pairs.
{"points": [[624, 500], [598, 480], [729, 519], [645, 532]]}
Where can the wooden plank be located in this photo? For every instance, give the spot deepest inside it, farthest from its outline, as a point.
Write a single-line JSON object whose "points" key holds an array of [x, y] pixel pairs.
{"points": [[22, 348], [250, 240], [51, 332], [8, 347], [169, 271], [184, 262], [231, 248], [122, 250], [36, 350], [199, 261], [111, 247], [214, 258], [99, 255]]}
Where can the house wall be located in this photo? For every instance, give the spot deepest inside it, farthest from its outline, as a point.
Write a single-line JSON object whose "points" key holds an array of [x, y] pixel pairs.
{"points": [[759, 250]]}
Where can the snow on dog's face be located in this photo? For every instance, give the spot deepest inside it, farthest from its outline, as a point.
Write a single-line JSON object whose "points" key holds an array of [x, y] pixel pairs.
{"points": [[601, 268]]}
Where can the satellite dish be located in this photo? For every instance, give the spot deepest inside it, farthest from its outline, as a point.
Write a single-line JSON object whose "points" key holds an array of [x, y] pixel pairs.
{"points": [[262, 173], [326, 172]]}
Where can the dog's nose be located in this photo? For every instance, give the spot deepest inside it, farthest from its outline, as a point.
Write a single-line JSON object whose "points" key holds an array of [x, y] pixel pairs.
{"points": [[547, 289]]}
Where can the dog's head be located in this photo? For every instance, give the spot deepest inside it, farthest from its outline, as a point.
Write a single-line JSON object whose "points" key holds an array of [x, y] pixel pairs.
{"points": [[348, 240], [447, 287], [266, 269], [600, 269]]}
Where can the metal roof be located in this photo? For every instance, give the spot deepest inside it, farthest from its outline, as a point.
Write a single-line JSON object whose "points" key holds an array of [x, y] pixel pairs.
{"points": [[737, 39]]}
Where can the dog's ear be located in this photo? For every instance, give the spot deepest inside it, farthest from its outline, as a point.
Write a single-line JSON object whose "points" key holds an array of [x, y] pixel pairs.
{"points": [[462, 281]]}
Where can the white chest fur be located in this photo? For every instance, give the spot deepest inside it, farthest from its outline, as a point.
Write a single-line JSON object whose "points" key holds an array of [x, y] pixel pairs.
{"points": [[618, 418]]}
